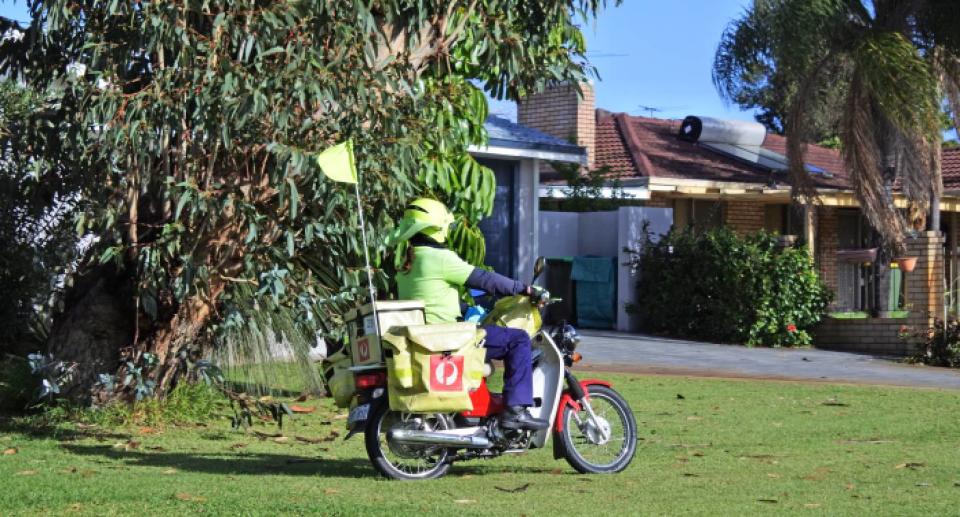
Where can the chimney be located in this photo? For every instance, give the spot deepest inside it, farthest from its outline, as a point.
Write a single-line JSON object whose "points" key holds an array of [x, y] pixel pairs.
{"points": [[561, 112]]}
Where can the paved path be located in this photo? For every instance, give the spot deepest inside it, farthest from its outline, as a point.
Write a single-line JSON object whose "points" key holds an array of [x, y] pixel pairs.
{"points": [[645, 354]]}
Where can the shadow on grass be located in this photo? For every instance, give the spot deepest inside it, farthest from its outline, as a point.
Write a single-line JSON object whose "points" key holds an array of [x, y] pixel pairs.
{"points": [[240, 464], [39, 429]]}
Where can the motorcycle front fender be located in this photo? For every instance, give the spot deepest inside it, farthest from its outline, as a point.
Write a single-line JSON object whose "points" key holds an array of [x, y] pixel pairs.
{"points": [[567, 400]]}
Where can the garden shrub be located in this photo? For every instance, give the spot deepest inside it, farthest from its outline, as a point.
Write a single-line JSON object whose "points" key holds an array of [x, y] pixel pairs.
{"points": [[17, 384], [936, 346], [718, 286]]}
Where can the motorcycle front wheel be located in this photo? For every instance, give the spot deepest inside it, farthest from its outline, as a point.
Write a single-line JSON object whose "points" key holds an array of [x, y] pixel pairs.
{"points": [[604, 445], [404, 462]]}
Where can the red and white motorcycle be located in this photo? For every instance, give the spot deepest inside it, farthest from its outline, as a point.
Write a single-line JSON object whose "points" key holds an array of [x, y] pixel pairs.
{"points": [[592, 425]]}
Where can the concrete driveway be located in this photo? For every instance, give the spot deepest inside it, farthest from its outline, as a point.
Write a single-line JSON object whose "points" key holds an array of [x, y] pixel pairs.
{"points": [[646, 354]]}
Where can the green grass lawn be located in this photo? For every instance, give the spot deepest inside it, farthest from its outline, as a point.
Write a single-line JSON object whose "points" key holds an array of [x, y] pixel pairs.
{"points": [[707, 446]]}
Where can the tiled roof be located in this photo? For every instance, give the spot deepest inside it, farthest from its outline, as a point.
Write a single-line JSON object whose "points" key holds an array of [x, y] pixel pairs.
{"points": [[504, 133], [950, 166], [634, 147]]}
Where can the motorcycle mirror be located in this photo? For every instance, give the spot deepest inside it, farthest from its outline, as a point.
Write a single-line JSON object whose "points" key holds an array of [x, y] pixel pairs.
{"points": [[538, 268]]}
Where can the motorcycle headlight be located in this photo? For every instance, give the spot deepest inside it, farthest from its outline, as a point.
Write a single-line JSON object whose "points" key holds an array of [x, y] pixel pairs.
{"points": [[571, 339]]}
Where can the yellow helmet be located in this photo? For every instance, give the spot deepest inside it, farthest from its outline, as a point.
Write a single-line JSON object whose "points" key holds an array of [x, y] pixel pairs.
{"points": [[427, 216]]}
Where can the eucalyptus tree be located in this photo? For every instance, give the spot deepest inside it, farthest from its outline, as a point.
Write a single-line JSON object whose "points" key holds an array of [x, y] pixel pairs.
{"points": [[879, 71], [193, 125]]}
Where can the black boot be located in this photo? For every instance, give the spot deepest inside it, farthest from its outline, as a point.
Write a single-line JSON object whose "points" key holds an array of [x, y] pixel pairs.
{"points": [[517, 417]]}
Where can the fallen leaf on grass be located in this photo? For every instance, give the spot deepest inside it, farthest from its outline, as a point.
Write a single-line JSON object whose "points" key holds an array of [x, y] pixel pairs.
{"points": [[464, 501], [773, 475], [833, 402], [910, 465], [128, 445], [147, 430], [521, 488], [923, 484], [556, 472], [26, 473], [264, 436], [237, 446], [170, 471], [281, 439], [156, 449], [768, 500], [698, 454], [301, 409], [11, 451], [71, 470], [87, 426], [304, 439], [302, 398], [690, 475], [183, 496]]}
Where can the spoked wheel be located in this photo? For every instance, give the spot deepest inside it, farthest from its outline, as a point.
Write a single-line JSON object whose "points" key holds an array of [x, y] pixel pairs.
{"points": [[399, 461], [604, 445]]}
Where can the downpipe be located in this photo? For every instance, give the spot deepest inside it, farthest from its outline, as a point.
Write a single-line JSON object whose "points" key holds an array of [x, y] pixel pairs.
{"points": [[445, 439]]}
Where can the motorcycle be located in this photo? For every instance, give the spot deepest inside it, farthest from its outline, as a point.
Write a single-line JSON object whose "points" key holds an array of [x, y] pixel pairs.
{"points": [[592, 425]]}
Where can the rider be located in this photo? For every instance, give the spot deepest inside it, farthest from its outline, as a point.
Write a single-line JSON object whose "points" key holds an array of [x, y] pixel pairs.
{"points": [[432, 274]]}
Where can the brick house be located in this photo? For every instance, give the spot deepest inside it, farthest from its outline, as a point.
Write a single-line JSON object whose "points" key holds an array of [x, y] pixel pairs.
{"points": [[707, 185]]}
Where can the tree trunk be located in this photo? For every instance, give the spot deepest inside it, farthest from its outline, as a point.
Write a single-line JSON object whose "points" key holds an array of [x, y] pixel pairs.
{"points": [[96, 324], [97, 333]]}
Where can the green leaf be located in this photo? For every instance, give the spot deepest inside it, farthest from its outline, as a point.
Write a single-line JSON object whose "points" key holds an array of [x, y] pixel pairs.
{"points": [[294, 197]]}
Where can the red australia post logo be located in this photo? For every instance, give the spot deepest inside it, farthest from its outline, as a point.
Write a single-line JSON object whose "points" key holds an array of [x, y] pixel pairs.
{"points": [[363, 350], [446, 373]]}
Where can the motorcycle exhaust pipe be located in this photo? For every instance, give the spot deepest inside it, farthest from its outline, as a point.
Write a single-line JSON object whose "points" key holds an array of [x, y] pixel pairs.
{"points": [[413, 437]]}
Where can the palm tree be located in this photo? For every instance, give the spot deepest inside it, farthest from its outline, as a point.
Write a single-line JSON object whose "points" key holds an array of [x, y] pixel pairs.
{"points": [[878, 72]]}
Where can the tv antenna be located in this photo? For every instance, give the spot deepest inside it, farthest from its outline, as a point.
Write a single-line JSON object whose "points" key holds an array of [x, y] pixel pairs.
{"points": [[657, 109]]}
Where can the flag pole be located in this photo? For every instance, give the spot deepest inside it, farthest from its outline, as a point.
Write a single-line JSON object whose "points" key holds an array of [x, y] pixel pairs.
{"points": [[366, 257]]}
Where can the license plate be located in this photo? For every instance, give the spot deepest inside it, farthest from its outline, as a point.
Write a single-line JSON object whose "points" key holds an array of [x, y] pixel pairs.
{"points": [[358, 414], [369, 326]]}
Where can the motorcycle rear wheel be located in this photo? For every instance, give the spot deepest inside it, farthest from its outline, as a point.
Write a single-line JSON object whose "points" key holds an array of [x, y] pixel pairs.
{"points": [[402, 462], [584, 447]]}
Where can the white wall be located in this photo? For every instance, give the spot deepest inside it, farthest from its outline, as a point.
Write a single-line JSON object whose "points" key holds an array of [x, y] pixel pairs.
{"points": [[598, 234], [567, 234], [527, 181], [559, 234], [630, 227]]}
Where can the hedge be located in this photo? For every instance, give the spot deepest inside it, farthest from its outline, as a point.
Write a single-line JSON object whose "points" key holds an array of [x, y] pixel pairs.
{"points": [[718, 286]]}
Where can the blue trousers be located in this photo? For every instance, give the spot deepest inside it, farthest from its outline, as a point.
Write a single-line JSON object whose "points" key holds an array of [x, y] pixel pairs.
{"points": [[513, 347]]}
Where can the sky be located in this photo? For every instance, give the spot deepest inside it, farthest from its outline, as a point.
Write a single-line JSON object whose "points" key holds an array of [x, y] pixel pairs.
{"points": [[657, 54], [649, 53]]}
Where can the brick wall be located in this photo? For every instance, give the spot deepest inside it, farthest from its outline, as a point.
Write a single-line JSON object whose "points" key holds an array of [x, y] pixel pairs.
{"points": [[659, 201], [744, 216], [924, 285], [827, 243], [870, 335], [924, 288], [561, 112]]}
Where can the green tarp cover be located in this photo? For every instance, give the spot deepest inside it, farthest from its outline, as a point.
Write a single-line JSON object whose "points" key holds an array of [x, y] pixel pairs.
{"points": [[596, 279]]}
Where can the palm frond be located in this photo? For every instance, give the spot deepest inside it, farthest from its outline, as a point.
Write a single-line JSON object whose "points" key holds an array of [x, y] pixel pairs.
{"points": [[862, 154]]}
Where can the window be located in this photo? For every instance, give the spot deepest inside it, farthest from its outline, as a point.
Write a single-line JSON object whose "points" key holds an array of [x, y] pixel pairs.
{"points": [[700, 214]]}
